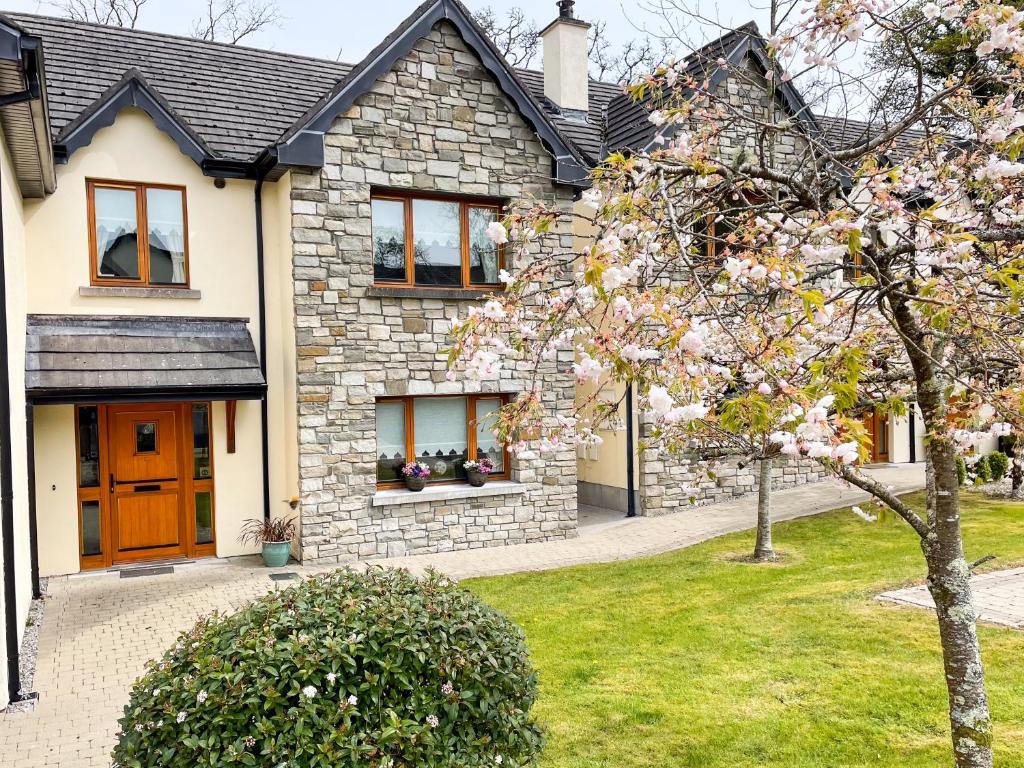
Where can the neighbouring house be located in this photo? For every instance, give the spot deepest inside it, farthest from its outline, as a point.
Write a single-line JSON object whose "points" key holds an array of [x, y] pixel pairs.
{"points": [[229, 276]]}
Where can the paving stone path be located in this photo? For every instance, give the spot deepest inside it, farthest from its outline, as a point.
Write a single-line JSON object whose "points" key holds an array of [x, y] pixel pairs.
{"points": [[998, 597], [98, 630]]}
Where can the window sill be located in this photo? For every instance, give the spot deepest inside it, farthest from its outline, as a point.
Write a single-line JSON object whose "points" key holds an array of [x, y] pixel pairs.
{"points": [[131, 292], [415, 292], [396, 496]]}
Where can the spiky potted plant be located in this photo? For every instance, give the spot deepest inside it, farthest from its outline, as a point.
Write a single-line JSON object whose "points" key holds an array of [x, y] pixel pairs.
{"points": [[477, 472], [416, 475], [274, 536]]}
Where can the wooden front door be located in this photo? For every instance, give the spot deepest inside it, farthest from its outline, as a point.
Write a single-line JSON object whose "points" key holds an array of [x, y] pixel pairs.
{"points": [[146, 486], [877, 426]]}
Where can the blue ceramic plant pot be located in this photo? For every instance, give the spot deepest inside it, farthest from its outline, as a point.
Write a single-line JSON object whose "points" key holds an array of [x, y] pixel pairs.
{"points": [[275, 553]]}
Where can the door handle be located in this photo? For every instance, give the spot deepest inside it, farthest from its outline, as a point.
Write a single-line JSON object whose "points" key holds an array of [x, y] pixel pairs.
{"points": [[111, 482]]}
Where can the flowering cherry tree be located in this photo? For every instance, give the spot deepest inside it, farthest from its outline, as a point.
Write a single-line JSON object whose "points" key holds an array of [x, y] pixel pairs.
{"points": [[759, 283]]}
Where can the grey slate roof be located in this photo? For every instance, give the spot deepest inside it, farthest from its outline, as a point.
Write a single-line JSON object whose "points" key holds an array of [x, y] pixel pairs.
{"points": [[239, 100], [73, 355], [845, 132]]}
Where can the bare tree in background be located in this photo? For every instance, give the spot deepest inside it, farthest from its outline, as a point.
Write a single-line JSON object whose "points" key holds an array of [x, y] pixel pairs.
{"points": [[231, 21], [627, 64], [518, 40], [118, 13], [515, 36]]}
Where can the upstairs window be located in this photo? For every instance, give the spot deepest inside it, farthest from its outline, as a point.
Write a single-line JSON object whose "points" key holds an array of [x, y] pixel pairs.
{"points": [[436, 242], [138, 234]]}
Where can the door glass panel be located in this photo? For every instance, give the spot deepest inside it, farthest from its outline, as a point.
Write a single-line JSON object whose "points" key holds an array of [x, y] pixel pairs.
{"points": [[487, 444], [145, 437], [390, 441], [117, 233], [201, 466], [91, 528], [388, 223], [439, 427], [483, 253], [204, 517], [88, 447], [436, 235], [165, 218]]}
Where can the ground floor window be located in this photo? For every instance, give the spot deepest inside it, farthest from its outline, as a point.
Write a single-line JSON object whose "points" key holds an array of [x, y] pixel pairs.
{"points": [[145, 482], [441, 431]]}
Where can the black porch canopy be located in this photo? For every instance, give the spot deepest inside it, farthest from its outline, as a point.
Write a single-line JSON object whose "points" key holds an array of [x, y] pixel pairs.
{"points": [[127, 358]]}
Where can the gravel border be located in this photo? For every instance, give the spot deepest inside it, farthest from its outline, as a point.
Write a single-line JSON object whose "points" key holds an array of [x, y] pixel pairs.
{"points": [[29, 652]]}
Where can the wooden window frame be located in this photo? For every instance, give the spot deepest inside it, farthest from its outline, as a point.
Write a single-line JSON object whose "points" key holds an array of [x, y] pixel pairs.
{"points": [[142, 224], [471, 444], [189, 486], [465, 203]]}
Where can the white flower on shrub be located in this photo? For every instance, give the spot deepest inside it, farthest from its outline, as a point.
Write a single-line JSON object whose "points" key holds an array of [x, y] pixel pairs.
{"points": [[447, 689], [353, 700], [432, 721], [309, 691], [181, 717], [202, 696], [331, 677]]}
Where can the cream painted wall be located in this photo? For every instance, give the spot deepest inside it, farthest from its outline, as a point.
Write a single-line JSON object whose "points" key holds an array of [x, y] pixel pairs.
{"points": [[222, 266], [283, 445], [56, 489], [221, 229], [604, 464], [14, 268], [237, 478]]}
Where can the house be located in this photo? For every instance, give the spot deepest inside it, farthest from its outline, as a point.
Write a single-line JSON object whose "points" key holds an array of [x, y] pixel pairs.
{"points": [[229, 276]]}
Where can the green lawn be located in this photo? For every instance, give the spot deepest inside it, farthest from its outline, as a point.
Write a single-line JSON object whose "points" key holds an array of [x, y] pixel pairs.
{"points": [[694, 659]]}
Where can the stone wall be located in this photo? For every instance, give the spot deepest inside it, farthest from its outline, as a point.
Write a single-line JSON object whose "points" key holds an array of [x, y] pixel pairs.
{"points": [[667, 484], [438, 123]]}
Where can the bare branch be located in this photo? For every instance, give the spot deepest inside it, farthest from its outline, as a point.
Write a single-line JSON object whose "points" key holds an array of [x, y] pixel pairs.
{"points": [[232, 21]]}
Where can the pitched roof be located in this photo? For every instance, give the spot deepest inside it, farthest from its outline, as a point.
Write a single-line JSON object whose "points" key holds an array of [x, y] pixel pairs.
{"points": [[238, 99], [846, 132], [628, 123], [235, 99]]}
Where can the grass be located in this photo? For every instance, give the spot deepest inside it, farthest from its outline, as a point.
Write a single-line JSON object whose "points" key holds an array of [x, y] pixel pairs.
{"points": [[698, 659]]}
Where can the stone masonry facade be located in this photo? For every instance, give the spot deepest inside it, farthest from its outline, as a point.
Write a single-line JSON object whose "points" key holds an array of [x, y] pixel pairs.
{"points": [[667, 483], [436, 123]]}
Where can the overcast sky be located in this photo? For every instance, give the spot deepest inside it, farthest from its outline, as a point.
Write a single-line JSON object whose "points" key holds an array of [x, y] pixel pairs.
{"points": [[324, 27]]}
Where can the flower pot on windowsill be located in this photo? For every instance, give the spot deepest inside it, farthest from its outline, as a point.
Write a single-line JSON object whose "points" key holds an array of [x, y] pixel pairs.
{"points": [[475, 477], [276, 553], [415, 483]]}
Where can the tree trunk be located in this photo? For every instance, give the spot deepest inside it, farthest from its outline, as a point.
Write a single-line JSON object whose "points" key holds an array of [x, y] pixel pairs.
{"points": [[1016, 469], [763, 549], [949, 584]]}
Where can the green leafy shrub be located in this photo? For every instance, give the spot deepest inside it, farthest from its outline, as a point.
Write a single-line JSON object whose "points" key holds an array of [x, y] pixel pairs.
{"points": [[983, 470], [961, 470], [999, 464], [346, 669]]}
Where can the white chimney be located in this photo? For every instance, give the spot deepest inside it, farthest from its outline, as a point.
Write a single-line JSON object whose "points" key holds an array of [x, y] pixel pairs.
{"points": [[565, 61]]}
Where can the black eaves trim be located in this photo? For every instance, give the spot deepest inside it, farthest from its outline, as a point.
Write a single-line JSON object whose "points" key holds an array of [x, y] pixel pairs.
{"points": [[153, 395], [303, 145], [131, 91]]}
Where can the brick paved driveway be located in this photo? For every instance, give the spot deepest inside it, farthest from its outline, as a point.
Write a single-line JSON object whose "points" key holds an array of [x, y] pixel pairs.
{"points": [[998, 597], [98, 630]]}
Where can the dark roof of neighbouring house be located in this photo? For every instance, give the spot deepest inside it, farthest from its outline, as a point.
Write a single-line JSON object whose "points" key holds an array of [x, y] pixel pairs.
{"points": [[846, 132], [628, 123], [69, 356]]}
